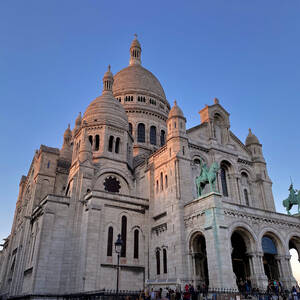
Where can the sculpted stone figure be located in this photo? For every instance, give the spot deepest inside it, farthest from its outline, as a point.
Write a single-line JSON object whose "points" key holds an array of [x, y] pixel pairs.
{"points": [[293, 199], [207, 175]]}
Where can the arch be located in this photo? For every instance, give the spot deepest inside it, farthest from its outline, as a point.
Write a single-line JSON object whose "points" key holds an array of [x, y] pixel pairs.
{"points": [[282, 248], [130, 128], [161, 181], [91, 139], [197, 246], [124, 235], [165, 261], [224, 171], [97, 142], [153, 135], [157, 256], [141, 133], [136, 244], [110, 240], [117, 146], [110, 143], [166, 181], [162, 137]]}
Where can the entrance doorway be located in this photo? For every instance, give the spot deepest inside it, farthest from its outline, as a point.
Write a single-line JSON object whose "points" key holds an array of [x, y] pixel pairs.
{"points": [[240, 259], [269, 259], [200, 261]]}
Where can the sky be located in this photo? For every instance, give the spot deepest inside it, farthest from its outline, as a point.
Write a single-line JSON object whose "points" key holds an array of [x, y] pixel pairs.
{"points": [[53, 55]]}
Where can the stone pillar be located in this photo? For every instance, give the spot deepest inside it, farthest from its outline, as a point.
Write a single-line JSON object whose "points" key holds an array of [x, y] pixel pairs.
{"points": [[220, 270], [94, 143], [258, 276], [286, 274]]}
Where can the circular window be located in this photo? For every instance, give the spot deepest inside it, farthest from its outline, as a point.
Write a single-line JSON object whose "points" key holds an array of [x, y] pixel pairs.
{"points": [[112, 184]]}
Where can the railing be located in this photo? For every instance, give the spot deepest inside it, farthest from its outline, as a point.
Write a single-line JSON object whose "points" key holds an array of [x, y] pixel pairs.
{"points": [[207, 294]]}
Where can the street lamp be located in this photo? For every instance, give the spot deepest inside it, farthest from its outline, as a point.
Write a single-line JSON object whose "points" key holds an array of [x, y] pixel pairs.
{"points": [[118, 248]]}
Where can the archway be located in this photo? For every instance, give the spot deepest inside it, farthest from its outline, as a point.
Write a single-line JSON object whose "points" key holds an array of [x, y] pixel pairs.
{"points": [[198, 247], [269, 259], [294, 247], [239, 257]]}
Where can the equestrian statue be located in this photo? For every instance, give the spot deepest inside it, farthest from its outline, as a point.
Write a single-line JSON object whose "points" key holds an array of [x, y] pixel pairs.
{"points": [[293, 199], [207, 175]]}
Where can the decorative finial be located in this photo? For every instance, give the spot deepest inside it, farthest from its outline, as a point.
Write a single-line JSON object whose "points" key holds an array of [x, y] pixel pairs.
{"points": [[108, 80], [135, 36], [108, 68], [250, 132], [175, 102], [69, 126], [216, 101]]}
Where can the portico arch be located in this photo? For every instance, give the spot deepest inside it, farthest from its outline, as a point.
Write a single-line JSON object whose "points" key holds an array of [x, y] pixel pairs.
{"points": [[197, 246], [294, 249], [242, 246]]}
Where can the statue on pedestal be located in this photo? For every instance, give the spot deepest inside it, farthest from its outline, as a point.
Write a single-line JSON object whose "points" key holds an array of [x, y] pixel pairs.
{"points": [[293, 199], [207, 175]]}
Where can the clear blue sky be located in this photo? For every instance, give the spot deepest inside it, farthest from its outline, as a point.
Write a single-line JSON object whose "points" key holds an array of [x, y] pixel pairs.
{"points": [[53, 55]]}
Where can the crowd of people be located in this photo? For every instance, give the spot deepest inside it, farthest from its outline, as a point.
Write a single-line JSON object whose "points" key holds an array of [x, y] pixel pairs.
{"points": [[274, 289]]}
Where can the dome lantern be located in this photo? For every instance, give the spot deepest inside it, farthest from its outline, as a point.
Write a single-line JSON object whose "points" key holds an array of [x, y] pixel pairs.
{"points": [[108, 81], [135, 52]]}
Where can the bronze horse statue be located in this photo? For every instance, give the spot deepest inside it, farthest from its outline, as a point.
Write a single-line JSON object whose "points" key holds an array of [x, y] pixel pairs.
{"points": [[207, 176], [293, 199]]}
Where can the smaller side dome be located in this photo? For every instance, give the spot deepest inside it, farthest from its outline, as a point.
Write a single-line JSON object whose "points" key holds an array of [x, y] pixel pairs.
{"points": [[251, 139], [175, 111]]}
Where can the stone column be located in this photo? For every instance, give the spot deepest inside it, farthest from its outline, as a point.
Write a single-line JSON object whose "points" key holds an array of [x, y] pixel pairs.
{"points": [[94, 143], [286, 275], [258, 276]]}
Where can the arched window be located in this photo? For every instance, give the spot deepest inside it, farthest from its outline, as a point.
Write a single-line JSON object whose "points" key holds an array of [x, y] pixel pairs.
{"points": [[161, 182], [97, 142], [165, 261], [157, 262], [141, 133], [110, 143], [157, 186], [117, 148], [130, 128], [223, 174], [153, 135], [166, 181], [246, 197], [48, 164], [91, 139], [124, 235], [162, 137], [136, 244], [110, 241], [197, 161]]}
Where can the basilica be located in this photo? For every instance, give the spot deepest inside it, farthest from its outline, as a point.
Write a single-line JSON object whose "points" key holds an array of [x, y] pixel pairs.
{"points": [[129, 166]]}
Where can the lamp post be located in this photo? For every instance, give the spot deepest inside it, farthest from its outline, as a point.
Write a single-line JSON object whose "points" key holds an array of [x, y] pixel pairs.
{"points": [[118, 248]]}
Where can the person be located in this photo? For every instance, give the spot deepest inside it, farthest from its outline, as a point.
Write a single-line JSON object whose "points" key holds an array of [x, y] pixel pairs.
{"points": [[177, 294], [164, 293], [153, 294], [147, 293]]}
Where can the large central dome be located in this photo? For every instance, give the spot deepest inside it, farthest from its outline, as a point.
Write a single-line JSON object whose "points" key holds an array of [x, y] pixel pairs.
{"points": [[135, 78], [144, 101]]}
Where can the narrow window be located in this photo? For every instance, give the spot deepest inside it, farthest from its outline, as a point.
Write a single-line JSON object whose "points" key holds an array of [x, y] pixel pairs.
{"points": [[117, 145], [162, 137], [174, 124], [165, 261], [153, 135], [110, 241], [124, 236], [157, 186], [130, 128], [48, 165], [110, 143], [166, 181], [157, 262], [224, 182], [141, 133], [183, 152], [97, 142], [91, 139], [136, 244], [246, 197], [161, 182]]}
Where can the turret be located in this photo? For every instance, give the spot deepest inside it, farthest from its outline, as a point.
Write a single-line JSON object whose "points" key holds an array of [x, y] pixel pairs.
{"points": [[135, 52], [78, 122], [255, 147], [85, 150], [66, 150]]}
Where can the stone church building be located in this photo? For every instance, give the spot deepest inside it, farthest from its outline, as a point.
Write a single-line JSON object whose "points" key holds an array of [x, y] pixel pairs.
{"points": [[129, 166]]}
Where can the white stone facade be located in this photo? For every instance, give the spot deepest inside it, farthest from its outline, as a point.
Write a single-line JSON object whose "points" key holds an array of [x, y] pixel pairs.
{"points": [[130, 159]]}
